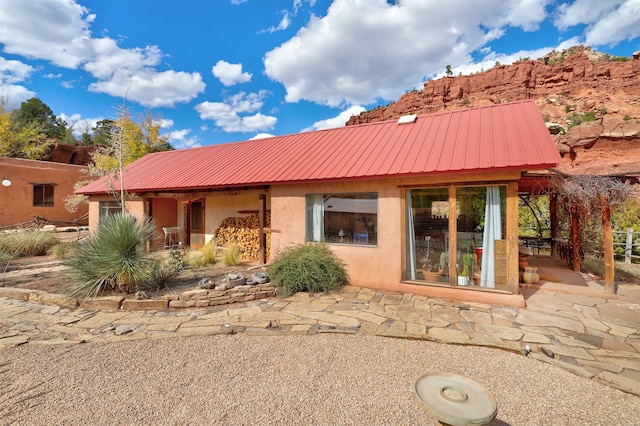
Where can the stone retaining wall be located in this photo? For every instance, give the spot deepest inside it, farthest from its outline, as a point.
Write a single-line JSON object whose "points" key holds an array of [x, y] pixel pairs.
{"points": [[188, 299]]}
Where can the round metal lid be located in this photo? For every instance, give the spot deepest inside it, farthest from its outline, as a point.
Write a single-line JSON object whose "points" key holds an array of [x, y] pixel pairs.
{"points": [[455, 400]]}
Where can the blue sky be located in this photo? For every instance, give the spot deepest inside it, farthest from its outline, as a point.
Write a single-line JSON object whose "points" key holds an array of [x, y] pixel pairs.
{"points": [[218, 71]]}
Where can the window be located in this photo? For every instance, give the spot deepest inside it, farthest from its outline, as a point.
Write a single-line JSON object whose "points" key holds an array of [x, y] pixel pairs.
{"points": [[43, 195], [480, 215], [343, 218], [108, 208]]}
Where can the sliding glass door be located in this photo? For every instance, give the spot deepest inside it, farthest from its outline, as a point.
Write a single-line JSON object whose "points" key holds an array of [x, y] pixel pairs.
{"points": [[478, 215]]}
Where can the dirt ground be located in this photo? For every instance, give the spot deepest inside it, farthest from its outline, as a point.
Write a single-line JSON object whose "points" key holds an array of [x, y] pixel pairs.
{"points": [[45, 273]]}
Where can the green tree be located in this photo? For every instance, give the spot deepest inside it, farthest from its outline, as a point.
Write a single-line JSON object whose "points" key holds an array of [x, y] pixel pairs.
{"points": [[35, 113], [26, 142], [154, 141], [448, 70], [103, 132]]}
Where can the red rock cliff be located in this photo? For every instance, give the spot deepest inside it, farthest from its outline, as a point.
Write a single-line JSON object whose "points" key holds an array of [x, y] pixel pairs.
{"points": [[570, 87]]}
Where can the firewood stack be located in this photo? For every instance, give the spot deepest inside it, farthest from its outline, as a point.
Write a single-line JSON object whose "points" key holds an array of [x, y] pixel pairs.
{"points": [[245, 233]]}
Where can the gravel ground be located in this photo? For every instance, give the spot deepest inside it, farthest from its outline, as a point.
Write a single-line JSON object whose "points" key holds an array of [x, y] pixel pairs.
{"points": [[328, 379]]}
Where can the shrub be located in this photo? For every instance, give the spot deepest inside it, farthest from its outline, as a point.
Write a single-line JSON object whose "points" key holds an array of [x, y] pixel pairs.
{"points": [[231, 255], [5, 258], [164, 269], [114, 257], [62, 250], [626, 117], [307, 268], [28, 243], [576, 118], [203, 257], [210, 251]]}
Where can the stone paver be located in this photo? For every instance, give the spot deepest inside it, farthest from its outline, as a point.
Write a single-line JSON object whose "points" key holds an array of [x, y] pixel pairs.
{"points": [[595, 337]]}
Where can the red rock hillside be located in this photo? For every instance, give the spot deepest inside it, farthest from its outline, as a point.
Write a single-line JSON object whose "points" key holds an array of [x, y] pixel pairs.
{"points": [[590, 101]]}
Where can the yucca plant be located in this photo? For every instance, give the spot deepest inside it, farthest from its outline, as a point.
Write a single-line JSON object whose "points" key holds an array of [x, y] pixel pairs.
{"points": [[115, 257], [307, 268]]}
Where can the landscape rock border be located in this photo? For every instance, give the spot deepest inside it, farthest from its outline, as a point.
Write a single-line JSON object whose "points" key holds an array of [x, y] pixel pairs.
{"points": [[187, 299]]}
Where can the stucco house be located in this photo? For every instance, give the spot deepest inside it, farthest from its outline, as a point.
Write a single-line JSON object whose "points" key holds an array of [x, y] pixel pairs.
{"points": [[395, 200], [33, 188]]}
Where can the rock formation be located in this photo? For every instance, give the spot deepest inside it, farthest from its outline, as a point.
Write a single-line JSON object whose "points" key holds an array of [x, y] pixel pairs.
{"points": [[590, 101]]}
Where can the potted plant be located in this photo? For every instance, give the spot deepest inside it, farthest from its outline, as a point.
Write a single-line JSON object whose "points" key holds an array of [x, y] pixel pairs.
{"points": [[463, 277], [468, 261], [430, 271]]}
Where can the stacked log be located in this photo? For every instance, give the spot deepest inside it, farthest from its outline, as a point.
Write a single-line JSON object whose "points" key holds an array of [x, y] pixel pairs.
{"points": [[244, 231]]}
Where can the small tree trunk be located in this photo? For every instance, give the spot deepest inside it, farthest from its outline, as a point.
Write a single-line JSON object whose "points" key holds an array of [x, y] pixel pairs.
{"points": [[607, 239]]}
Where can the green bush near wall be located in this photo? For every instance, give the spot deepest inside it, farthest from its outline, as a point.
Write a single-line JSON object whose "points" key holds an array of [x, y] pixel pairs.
{"points": [[307, 268]]}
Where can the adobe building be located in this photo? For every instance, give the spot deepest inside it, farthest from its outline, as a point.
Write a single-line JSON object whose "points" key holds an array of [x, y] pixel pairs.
{"points": [[32, 188], [425, 205]]}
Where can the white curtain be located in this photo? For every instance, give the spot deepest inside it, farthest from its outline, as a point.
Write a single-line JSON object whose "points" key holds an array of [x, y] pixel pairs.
{"points": [[411, 239], [315, 219], [492, 232]]}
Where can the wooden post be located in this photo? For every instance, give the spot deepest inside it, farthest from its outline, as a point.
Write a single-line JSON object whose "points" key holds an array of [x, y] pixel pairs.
{"points": [[575, 237], [553, 219], [262, 218], [607, 239], [628, 246], [511, 227], [453, 236]]}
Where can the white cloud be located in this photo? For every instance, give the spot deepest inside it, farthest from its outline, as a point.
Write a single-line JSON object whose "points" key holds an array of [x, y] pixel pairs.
{"points": [[338, 121], [53, 30], [226, 114], [230, 74], [78, 124], [262, 136], [283, 25], [608, 22], [365, 50], [150, 88], [619, 25], [583, 12], [58, 31], [179, 140], [12, 72], [166, 123]]}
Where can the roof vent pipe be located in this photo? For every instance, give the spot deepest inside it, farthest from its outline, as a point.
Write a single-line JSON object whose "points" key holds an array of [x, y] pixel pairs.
{"points": [[407, 119]]}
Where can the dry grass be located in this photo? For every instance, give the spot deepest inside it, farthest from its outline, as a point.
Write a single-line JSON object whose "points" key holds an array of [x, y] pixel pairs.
{"points": [[624, 272]]}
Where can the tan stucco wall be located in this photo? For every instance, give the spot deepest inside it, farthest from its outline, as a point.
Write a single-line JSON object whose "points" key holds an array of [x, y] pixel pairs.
{"points": [[16, 201], [218, 208], [135, 207], [379, 267], [366, 265]]}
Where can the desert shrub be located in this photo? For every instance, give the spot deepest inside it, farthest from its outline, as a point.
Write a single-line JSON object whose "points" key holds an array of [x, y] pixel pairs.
{"points": [[5, 258], [28, 243], [576, 118], [114, 257], [231, 255], [307, 268], [626, 117], [62, 250], [166, 268], [210, 251]]}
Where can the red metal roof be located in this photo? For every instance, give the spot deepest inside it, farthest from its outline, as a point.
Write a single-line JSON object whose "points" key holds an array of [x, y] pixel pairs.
{"points": [[499, 137]]}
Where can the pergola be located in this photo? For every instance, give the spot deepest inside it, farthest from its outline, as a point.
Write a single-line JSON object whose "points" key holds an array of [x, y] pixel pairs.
{"points": [[552, 183]]}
